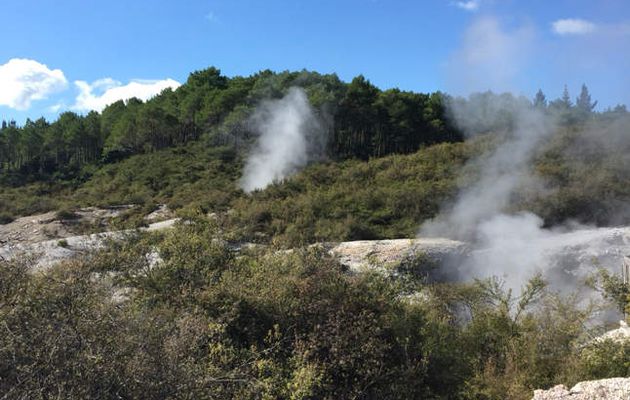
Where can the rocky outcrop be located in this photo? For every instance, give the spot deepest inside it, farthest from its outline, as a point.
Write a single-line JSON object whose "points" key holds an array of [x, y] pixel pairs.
{"points": [[49, 252], [161, 213], [47, 226], [386, 255], [619, 335], [52, 237], [603, 389]]}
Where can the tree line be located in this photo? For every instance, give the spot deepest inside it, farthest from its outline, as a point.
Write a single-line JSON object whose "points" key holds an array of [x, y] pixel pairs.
{"points": [[364, 122]]}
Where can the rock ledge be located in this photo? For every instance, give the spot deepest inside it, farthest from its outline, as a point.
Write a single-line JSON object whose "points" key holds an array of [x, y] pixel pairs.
{"points": [[603, 389]]}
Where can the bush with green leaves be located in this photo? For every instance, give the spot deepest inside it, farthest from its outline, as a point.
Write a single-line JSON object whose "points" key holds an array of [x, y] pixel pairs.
{"points": [[606, 359], [5, 218], [181, 314]]}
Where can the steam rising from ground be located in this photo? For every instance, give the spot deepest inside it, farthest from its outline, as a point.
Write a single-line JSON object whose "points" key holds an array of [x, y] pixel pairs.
{"points": [[513, 246], [502, 171], [291, 135], [506, 246], [491, 57]]}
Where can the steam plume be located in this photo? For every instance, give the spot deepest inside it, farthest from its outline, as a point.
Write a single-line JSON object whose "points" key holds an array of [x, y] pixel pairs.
{"points": [[502, 171], [515, 246], [291, 135]]}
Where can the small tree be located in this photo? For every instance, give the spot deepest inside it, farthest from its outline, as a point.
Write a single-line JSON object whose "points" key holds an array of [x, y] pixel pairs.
{"points": [[540, 101], [584, 102], [613, 288], [566, 99]]}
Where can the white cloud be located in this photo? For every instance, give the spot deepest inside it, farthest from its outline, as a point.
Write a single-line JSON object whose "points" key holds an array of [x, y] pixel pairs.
{"points": [[103, 92], [470, 5], [23, 81], [55, 108], [573, 26]]}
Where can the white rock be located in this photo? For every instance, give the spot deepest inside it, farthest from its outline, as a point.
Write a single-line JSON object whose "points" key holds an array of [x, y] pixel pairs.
{"points": [[603, 389]]}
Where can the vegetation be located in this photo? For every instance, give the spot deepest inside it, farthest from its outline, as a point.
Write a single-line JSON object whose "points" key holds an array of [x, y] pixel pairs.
{"points": [[382, 198], [205, 323], [393, 158], [181, 315], [366, 122]]}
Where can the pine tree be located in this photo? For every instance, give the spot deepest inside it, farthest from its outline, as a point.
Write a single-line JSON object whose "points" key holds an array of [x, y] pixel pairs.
{"points": [[540, 101], [583, 102], [566, 99]]}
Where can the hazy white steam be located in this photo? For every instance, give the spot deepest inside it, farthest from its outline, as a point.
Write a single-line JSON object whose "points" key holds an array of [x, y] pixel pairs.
{"points": [[515, 247], [502, 171], [511, 246], [291, 135], [573, 26], [490, 57], [23, 80]]}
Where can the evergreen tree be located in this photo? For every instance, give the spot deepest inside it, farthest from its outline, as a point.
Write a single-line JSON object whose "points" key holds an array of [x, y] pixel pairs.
{"points": [[540, 101], [565, 101], [584, 102]]}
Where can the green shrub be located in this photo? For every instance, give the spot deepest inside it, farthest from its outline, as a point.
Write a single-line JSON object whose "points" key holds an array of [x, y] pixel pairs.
{"points": [[605, 359], [66, 215], [6, 218], [272, 324]]}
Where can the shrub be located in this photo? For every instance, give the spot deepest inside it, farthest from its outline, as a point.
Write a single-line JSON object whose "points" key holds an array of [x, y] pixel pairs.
{"points": [[66, 214], [6, 218], [605, 359]]}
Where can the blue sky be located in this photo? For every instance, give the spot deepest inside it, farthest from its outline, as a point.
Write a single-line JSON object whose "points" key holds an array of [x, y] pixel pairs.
{"points": [[58, 55]]}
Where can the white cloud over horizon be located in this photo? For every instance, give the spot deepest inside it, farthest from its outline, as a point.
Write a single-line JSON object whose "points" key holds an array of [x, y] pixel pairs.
{"points": [[103, 92], [23, 81], [469, 5], [573, 26]]}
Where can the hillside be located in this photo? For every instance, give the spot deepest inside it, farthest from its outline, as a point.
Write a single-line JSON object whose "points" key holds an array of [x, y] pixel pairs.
{"points": [[500, 221], [380, 171]]}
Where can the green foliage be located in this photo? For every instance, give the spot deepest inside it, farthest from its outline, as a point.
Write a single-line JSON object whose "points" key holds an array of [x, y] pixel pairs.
{"points": [[214, 106], [5, 218], [66, 214], [177, 177], [606, 359], [33, 198], [382, 198], [584, 103], [586, 171], [513, 345], [185, 148], [180, 315], [612, 288], [204, 324]]}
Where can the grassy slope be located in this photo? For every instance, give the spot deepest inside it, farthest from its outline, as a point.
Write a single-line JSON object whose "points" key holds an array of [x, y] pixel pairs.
{"points": [[381, 198], [386, 197], [189, 175]]}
